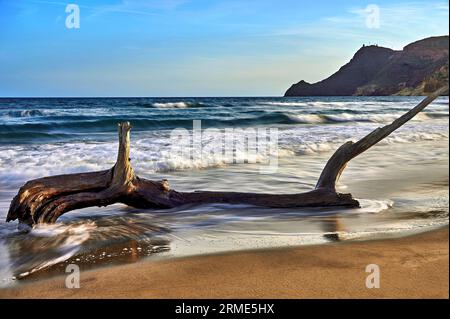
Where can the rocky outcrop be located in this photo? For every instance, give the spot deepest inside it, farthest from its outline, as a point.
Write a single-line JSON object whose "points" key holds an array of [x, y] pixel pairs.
{"points": [[420, 68]]}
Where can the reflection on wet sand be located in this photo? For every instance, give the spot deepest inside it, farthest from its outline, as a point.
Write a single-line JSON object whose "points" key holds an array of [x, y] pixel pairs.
{"points": [[331, 228], [100, 242]]}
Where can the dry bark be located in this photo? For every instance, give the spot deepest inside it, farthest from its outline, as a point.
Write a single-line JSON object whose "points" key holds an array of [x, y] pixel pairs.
{"points": [[43, 200]]}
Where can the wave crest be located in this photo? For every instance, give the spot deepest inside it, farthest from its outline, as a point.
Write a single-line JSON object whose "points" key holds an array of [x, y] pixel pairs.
{"points": [[25, 113], [177, 105]]}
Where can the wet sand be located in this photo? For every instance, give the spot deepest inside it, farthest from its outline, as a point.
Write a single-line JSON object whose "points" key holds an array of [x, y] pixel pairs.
{"points": [[411, 267]]}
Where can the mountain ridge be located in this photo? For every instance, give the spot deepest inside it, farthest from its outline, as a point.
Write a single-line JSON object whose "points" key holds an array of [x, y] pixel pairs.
{"points": [[419, 68]]}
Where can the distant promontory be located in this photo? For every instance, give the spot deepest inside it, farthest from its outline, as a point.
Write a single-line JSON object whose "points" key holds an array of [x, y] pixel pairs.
{"points": [[421, 67]]}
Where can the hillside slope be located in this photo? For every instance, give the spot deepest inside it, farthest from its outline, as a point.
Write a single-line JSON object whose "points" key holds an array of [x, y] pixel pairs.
{"points": [[419, 68]]}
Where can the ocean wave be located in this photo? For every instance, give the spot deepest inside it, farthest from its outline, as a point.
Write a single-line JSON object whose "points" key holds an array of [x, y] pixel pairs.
{"points": [[54, 123], [373, 206], [444, 102], [319, 104], [414, 137], [158, 153], [27, 137], [291, 118], [286, 103], [26, 113], [108, 124], [13, 132], [307, 118], [437, 114], [177, 105], [374, 118]]}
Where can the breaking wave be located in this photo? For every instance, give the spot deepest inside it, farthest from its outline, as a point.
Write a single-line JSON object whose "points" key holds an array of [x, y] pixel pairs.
{"points": [[177, 105], [25, 113]]}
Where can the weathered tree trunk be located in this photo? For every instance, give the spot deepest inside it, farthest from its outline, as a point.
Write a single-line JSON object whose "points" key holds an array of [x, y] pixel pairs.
{"points": [[43, 200]]}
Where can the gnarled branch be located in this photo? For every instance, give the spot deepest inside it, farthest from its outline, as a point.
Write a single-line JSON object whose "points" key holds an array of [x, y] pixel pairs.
{"points": [[45, 199], [337, 163]]}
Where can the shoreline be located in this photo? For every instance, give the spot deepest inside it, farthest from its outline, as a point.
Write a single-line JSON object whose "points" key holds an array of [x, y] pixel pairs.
{"points": [[415, 266]]}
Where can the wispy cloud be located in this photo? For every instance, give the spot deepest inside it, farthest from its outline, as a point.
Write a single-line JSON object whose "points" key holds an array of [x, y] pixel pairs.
{"points": [[442, 6], [397, 21], [138, 7]]}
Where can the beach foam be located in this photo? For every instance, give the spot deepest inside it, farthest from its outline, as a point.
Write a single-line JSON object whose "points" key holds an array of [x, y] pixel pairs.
{"points": [[176, 105]]}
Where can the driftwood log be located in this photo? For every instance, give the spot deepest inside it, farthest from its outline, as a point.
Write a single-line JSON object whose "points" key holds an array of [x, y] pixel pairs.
{"points": [[43, 200]]}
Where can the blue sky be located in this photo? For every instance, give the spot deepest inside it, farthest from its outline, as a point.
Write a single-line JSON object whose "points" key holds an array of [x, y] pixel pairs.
{"points": [[194, 47]]}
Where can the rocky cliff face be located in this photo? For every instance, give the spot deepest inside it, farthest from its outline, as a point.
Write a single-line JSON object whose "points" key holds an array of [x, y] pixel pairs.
{"points": [[420, 68]]}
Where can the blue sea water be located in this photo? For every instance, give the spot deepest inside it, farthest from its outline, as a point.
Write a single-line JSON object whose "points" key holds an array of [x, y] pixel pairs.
{"points": [[402, 182], [59, 119]]}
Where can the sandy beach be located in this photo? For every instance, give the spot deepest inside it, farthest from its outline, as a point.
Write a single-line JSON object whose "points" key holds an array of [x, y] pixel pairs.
{"points": [[411, 267]]}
